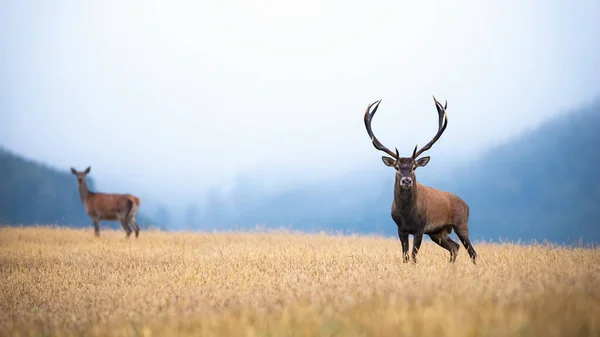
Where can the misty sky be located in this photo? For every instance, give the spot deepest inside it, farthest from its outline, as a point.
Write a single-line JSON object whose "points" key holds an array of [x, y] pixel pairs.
{"points": [[175, 96]]}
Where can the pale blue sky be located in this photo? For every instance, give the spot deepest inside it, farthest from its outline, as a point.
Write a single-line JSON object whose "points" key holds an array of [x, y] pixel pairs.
{"points": [[195, 92]]}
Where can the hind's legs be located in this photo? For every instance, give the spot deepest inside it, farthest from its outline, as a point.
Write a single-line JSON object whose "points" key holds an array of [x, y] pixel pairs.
{"points": [[463, 235], [96, 227], [125, 227], [134, 225]]}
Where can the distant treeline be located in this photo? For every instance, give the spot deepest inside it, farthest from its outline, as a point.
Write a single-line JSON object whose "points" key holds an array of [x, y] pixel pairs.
{"points": [[544, 184], [541, 185], [33, 193]]}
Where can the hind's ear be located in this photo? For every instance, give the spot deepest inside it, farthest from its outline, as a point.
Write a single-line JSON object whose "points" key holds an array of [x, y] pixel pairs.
{"points": [[87, 170], [73, 171]]}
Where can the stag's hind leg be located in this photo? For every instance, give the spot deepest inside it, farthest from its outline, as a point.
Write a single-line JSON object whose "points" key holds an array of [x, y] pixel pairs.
{"points": [[453, 250], [446, 242], [462, 231]]}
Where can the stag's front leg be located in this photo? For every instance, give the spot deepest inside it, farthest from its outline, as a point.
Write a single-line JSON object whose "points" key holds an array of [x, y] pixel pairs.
{"points": [[418, 238], [404, 240]]}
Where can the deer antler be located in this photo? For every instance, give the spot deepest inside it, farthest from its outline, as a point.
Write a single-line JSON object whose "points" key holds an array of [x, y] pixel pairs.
{"points": [[442, 124], [377, 143]]}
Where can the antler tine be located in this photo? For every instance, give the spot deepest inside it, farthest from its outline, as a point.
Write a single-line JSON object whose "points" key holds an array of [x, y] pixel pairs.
{"points": [[439, 107], [442, 124], [376, 143]]}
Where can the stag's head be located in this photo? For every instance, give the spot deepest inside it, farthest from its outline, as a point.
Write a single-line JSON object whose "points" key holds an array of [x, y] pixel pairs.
{"points": [[80, 175], [406, 166]]}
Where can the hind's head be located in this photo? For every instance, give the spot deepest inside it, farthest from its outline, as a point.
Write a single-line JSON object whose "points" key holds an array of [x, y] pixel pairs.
{"points": [[81, 175]]}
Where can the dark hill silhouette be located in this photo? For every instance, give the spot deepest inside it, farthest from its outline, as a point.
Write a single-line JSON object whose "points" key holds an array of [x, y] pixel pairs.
{"points": [[32, 193], [542, 185]]}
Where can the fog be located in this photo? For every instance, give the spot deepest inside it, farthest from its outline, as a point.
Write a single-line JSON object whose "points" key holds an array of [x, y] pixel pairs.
{"points": [[168, 99]]}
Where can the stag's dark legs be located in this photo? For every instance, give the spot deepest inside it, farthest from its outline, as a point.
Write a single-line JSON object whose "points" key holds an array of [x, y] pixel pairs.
{"points": [[418, 238], [404, 240], [454, 247], [447, 243], [463, 235], [96, 226]]}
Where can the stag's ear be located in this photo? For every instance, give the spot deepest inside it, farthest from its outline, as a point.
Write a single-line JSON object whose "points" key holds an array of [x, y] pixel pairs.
{"points": [[422, 161], [388, 161], [87, 170], [73, 171]]}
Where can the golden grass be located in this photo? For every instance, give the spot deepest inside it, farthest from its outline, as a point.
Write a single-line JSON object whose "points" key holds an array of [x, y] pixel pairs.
{"points": [[66, 282]]}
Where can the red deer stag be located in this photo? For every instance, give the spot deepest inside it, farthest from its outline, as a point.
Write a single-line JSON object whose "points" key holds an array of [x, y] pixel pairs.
{"points": [[419, 209], [103, 206]]}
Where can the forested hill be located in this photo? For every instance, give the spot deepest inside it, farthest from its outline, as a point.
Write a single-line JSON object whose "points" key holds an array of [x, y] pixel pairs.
{"points": [[541, 185], [544, 184], [32, 193]]}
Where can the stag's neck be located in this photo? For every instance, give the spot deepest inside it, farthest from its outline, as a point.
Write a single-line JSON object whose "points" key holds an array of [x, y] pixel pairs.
{"points": [[84, 193], [405, 199]]}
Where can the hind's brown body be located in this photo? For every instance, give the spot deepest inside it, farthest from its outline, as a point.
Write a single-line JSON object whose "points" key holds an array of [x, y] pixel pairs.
{"points": [[110, 207], [106, 206]]}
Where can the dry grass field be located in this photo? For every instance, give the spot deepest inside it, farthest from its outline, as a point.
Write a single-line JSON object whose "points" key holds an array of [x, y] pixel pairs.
{"points": [[64, 282]]}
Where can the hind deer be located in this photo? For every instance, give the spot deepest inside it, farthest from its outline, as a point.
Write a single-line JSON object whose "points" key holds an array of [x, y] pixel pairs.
{"points": [[103, 206], [419, 209]]}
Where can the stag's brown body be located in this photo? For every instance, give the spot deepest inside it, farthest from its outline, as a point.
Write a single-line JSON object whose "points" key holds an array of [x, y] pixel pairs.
{"points": [[105, 206], [449, 209], [419, 209]]}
